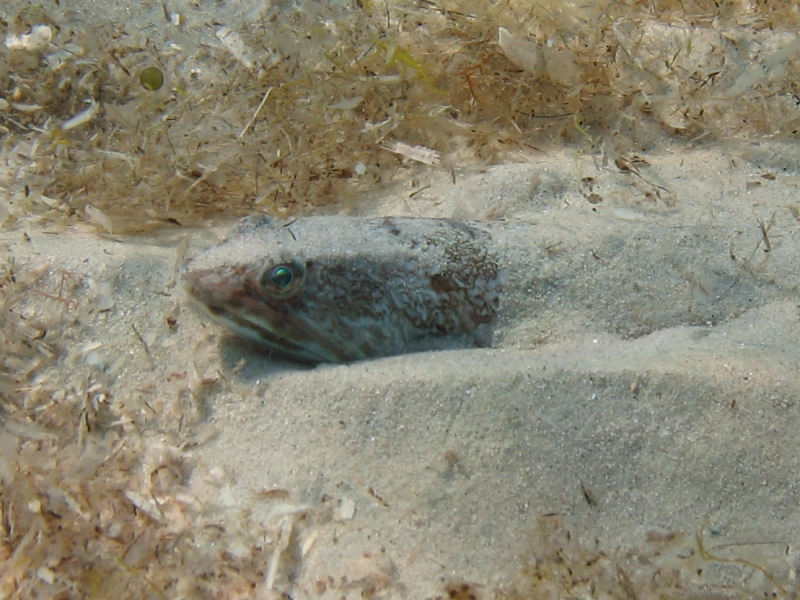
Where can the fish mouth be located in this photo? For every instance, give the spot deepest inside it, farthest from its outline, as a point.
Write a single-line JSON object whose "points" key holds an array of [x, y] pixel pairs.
{"points": [[303, 346], [279, 328]]}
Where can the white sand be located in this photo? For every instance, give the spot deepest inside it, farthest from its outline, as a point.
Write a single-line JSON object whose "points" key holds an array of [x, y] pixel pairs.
{"points": [[450, 458], [388, 478]]}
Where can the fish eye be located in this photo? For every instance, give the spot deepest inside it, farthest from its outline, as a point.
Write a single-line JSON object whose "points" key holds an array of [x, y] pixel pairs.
{"points": [[281, 277], [282, 280]]}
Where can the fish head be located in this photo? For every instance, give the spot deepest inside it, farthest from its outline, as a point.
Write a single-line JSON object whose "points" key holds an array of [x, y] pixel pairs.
{"points": [[339, 289], [256, 284]]}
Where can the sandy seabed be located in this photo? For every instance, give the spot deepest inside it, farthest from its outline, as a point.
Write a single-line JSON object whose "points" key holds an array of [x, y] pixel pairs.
{"points": [[398, 476], [631, 432]]}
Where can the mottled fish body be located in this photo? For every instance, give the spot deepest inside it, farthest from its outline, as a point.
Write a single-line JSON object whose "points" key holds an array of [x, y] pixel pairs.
{"points": [[339, 289]]}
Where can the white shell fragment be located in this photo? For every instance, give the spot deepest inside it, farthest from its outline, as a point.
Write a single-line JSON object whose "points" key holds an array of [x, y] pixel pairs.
{"points": [[281, 544], [235, 45], [526, 55], [145, 505], [308, 542], [558, 64], [46, 575], [82, 117], [38, 39], [417, 153], [346, 510], [561, 66], [347, 103], [100, 218]]}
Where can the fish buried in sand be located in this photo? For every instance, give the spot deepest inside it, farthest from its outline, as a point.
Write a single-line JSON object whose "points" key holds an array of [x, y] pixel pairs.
{"points": [[340, 289]]}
